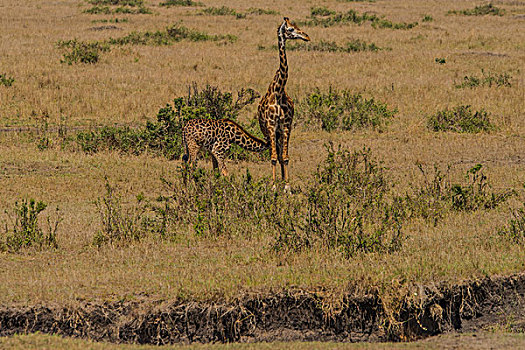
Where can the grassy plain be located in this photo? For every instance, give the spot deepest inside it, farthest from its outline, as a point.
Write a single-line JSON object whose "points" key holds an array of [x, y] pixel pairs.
{"points": [[130, 83], [485, 340]]}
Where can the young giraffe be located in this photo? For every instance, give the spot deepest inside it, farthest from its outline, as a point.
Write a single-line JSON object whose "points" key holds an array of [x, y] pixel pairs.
{"points": [[276, 109], [216, 136]]}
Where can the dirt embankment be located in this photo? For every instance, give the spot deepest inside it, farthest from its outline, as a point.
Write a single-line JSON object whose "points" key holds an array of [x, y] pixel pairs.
{"points": [[286, 317]]}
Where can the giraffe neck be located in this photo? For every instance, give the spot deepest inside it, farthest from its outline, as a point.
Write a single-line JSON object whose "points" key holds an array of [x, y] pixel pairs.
{"points": [[244, 139], [281, 76]]}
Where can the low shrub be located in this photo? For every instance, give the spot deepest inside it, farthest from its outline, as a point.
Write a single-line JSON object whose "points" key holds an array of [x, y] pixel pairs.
{"points": [[460, 119], [131, 3], [427, 18], [343, 110], [439, 194], [6, 81], [82, 51], [486, 79], [26, 231], [483, 10], [227, 11], [128, 10], [322, 16], [331, 46], [258, 11], [219, 11], [124, 6], [440, 60], [170, 35], [96, 10], [169, 3]]}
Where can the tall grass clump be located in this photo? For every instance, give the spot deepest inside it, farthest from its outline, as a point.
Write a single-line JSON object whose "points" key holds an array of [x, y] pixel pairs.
{"points": [[440, 195], [6, 81], [487, 9], [26, 230], [460, 119], [515, 228], [331, 110], [164, 136], [322, 16], [82, 51], [120, 225]]}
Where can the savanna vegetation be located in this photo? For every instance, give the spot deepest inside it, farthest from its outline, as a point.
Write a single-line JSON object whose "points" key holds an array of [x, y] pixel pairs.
{"points": [[406, 158]]}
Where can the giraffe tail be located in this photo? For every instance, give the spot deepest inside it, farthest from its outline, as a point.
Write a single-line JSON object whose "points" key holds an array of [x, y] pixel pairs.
{"points": [[185, 156]]}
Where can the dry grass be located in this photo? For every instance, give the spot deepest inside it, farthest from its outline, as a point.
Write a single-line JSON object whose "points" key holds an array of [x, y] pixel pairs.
{"points": [[130, 83], [451, 341]]}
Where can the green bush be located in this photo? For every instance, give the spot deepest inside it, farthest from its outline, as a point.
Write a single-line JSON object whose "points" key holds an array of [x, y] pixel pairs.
{"points": [[343, 110], [82, 51], [6, 81], [427, 18], [483, 10], [348, 207], [164, 136], [460, 119], [345, 208], [26, 230]]}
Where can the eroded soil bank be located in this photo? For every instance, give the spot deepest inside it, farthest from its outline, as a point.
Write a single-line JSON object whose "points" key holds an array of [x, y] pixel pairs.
{"points": [[497, 301]]}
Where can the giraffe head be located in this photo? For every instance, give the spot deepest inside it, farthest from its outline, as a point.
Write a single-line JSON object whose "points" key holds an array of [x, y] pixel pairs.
{"points": [[290, 31]]}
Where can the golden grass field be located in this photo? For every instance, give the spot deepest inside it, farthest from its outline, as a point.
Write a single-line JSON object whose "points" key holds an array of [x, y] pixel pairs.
{"points": [[130, 83]]}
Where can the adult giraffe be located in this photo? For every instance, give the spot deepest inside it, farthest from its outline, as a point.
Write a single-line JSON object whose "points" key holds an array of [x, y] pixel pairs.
{"points": [[276, 109]]}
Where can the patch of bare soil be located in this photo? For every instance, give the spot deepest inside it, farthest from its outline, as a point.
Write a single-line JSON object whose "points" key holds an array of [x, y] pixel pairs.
{"points": [[491, 302]]}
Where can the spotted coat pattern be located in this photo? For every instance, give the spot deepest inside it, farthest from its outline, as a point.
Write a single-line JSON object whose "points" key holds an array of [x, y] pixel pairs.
{"points": [[216, 136]]}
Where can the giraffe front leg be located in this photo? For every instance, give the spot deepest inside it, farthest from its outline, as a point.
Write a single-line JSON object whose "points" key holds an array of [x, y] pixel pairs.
{"points": [[284, 163], [219, 156], [273, 151]]}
